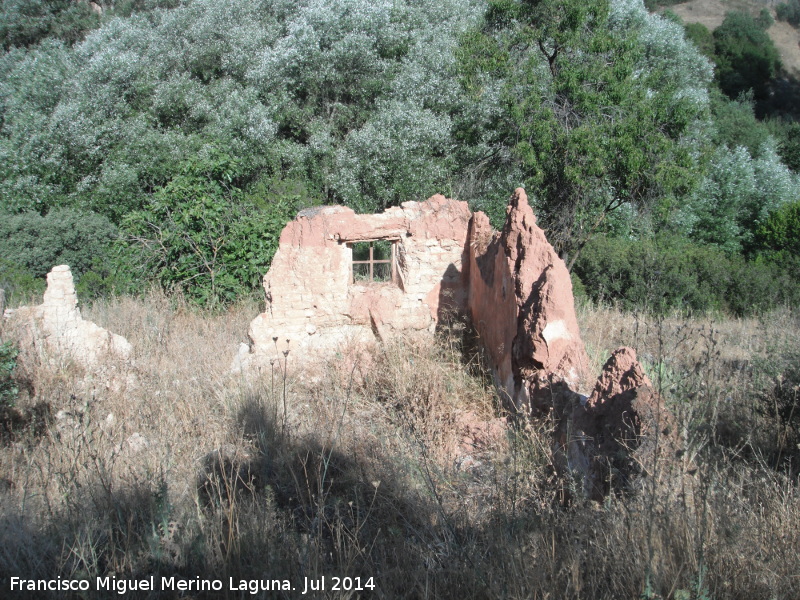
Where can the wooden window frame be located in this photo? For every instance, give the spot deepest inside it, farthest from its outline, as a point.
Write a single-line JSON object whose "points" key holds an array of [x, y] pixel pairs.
{"points": [[392, 261]]}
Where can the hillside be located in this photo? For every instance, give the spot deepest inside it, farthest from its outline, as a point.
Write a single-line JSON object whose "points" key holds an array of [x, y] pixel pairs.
{"points": [[711, 13], [115, 125]]}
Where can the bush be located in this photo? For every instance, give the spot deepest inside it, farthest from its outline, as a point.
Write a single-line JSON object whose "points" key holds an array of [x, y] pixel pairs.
{"points": [[764, 19], [27, 22], [8, 361], [201, 235], [789, 145], [781, 231], [736, 123], [32, 244], [746, 56], [789, 12], [669, 273], [778, 239], [702, 37], [654, 5], [736, 196], [354, 97], [19, 283]]}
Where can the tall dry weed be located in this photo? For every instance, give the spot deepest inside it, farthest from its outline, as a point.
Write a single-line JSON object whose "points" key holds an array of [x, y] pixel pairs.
{"points": [[366, 472]]}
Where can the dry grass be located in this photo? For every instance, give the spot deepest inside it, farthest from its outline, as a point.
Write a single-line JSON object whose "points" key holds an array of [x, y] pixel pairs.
{"points": [[358, 472]]}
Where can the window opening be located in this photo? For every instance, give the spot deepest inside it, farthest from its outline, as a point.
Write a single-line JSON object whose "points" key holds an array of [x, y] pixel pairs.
{"points": [[373, 261]]}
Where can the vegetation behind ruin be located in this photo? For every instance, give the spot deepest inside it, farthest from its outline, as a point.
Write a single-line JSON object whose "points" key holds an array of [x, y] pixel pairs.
{"points": [[625, 127]]}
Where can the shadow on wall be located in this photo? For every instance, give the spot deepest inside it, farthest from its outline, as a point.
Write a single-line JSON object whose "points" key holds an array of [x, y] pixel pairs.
{"points": [[451, 301]]}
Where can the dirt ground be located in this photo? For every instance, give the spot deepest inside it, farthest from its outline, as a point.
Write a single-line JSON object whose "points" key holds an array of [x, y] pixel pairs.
{"points": [[712, 12], [787, 40]]}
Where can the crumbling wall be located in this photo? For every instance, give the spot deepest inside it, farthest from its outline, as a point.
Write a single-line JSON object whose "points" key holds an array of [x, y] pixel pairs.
{"points": [[620, 432], [520, 302], [514, 288], [55, 329], [314, 306]]}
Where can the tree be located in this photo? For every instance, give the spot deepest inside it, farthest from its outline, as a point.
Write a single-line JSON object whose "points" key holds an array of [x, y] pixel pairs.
{"points": [[789, 12], [701, 37], [737, 195], [592, 128], [353, 97], [780, 233], [198, 234], [735, 123], [37, 243], [27, 22], [789, 147], [746, 56]]}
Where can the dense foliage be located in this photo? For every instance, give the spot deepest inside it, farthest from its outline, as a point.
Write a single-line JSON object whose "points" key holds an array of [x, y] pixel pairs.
{"points": [[63, 236], [746, 57], [8, 362], [199, 234], [789, 11], [668, 273], [32, 244], [28, 22], [180, 135], [596, 116]]}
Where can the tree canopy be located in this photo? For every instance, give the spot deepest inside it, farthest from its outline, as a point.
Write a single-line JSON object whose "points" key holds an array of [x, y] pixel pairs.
{"points": [[590, 108], [746, 56], [607, 114]]}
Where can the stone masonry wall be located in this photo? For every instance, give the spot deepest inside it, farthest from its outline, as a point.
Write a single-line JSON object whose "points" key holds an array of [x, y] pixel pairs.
{"points": [[312, 304], [56, 329]]}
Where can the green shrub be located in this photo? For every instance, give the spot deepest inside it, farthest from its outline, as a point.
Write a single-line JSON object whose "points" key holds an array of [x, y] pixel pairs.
{"points": [[764, 19], [202, 235], [736, 123], [27, 22], [654, 5], [757, 286], [8, 361], [669, 272], [746, 56], [788, 135], [578, 289], [778, 239], [19, 283], [36, 243], [737, 194], [702, 37], [781, 231], [789, 11], [108, 276]]}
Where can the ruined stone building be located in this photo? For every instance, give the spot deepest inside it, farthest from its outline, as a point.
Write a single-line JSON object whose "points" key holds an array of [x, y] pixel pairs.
{"points": [[339, 277], [55, 329]]}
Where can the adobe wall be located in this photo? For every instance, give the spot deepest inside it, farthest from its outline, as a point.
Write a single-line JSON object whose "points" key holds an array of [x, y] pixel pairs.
{"points": [[515, 289], [314, 306], [521, 305]]}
